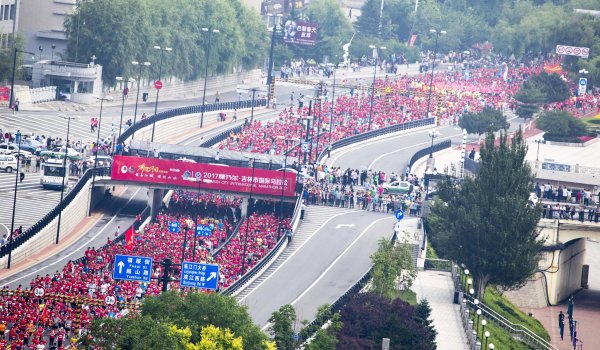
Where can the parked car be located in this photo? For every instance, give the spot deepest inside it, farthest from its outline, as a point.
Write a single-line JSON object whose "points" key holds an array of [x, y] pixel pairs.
{"points": [[59, 152], [13, 149], [103, 161], [8, 163], [31, 145], [398, 187]]}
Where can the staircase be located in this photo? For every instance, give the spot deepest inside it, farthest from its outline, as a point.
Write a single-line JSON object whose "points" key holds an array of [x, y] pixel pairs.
{"points": [[314, 217]]}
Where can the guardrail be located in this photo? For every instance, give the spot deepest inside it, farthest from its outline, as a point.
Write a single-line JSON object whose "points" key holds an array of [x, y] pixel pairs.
{"points": [[236, 229], [222, 106], [438, 265], [311, 328], [222, 136], [43, 222], [425, 151], [270, 256]]}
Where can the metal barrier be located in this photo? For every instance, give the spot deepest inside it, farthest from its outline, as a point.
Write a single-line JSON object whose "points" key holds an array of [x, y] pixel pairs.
{"points": [[425, 151], [38, 226], [221, 136], [438, 265], [176, 112]]}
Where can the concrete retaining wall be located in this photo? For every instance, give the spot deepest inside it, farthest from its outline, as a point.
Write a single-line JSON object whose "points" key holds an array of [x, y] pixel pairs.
{"points": [[71, 217]]}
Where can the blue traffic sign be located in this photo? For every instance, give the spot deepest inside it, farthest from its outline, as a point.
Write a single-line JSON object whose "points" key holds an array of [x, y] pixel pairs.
{"points": [[132, 268], [198, 275], [582, 81], [174, 226], [204, 230], [399, 214]]}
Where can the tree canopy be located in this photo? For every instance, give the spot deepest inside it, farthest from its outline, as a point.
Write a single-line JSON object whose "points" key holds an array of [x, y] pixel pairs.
{"points": [[392, 266], [560, 124], [487, 120], [120, 31], [539, 89], [486, 222]]}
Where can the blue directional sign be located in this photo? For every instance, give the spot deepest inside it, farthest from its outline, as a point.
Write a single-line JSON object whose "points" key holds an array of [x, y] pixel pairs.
{"points": [[399, 214], [174, 226], [204, 230], [132, 268], [198, 275]]}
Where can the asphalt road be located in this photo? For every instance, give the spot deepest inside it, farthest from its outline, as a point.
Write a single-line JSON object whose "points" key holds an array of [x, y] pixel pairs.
{"points": [[329, 263]]}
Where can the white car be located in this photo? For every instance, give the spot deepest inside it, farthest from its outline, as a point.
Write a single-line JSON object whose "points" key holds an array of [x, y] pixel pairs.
{"points": [[186, 160], [398, 187], [13, 149], [8, 163]]}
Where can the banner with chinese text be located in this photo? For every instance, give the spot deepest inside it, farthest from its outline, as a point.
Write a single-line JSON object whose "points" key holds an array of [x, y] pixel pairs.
{"points": [[298, 32]]}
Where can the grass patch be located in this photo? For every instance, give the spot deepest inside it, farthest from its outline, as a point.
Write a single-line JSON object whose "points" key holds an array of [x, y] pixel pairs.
{"points": [[431, 254], [494, 300], [500, 338], [409, 296]]}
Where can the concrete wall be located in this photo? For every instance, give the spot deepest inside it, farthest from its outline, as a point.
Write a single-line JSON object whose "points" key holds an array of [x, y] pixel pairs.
{"points": [[71, 217], [567, 278]]}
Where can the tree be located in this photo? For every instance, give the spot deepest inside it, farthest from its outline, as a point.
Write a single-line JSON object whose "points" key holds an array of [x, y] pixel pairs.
{"points": [[325, 338], [560, 124], [392, 266], [282, 327], [214, 338], [139, 333], [487, 120], [197, 310], [422, 315], [367, 318], [529, 99], [486, 222]]}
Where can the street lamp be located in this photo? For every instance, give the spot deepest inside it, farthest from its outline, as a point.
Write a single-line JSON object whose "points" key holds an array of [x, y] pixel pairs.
{"points": [[64, 174], [483, 323], [375, 56], [437, 35], [40, 49], [206, 30], [102, 99], [433, 134], [163, 49], [122, 104], [491, 346], [270, 69], [285, 170], [53, 47], [478, 312], [12, 220], [14, 69], [333, 98], [137, 97], [487, 335], [538, 141], [253, 160]]}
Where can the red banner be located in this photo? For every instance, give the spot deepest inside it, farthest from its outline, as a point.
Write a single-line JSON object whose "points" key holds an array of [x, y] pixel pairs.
{"points": [[412, 40], [205, 176]]}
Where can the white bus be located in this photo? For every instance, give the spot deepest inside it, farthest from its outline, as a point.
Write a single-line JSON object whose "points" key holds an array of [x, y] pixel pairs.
{"points": [[53, 171]]}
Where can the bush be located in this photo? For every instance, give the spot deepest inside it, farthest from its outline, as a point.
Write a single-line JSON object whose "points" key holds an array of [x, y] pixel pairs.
{"points": [[556, 138], [594, 121]]}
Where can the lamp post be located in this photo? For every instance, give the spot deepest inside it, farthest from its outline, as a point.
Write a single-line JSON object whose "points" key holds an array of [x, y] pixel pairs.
{"points": [[538, 141], [478, 312], [53, 47], [308, 120], [40, 48], [376, 57], [253, 160], [102, 99], [137, 97], [14, 69], [437, 35], [270, 69], [483, 323], [332, 99], [122, 105], [12, 220], [287, 142], [62, 188], [161, 49], [433, 134], [487, 335], [206, 30], [491, 346], [252, 107]]}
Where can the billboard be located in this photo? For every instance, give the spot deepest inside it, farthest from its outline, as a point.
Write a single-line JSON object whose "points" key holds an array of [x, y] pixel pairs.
{"points": [[299, 32], [583, 52], [203, 176]]}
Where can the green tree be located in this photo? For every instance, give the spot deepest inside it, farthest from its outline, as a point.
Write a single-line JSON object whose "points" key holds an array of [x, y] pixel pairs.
{"points": [[486, 222], [325, 338], [422, 316], [487, 120], [282, 327], [560, 124], [392, 267], [214, 338], [197, 310], [140, 333]]}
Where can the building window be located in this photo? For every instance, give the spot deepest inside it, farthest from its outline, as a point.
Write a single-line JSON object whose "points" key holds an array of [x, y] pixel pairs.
{"points": [[13, 12], [1, 12], [6, 13]]}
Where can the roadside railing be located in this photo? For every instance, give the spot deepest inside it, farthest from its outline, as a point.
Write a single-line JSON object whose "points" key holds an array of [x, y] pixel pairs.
{"points": [[176, 112], [438, 265], [52, 214], [425, 151]]}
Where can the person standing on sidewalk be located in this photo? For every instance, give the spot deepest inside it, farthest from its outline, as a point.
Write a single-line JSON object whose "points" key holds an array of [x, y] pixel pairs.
{"points": [[561, 324]]}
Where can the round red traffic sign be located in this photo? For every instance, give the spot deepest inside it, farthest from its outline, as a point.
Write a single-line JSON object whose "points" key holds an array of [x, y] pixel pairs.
{"points": [[158, 84], [38, 292], [110, 300]]}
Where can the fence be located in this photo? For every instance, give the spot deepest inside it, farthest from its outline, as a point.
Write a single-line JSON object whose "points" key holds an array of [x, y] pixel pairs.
{"points": [[38, 226], [221, 136], [43, 94], [425, 151], [176, 112], [438, 265]]}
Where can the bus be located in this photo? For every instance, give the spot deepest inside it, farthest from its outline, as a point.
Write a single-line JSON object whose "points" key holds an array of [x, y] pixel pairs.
{"points": [[53, 171]]}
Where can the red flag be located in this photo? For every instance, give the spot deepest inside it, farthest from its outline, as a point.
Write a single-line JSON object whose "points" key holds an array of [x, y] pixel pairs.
{"points": [[129, 238], [413, 38]]}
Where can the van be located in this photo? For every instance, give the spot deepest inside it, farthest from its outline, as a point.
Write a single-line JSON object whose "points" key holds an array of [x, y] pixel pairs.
{"points": [[8, 163]]}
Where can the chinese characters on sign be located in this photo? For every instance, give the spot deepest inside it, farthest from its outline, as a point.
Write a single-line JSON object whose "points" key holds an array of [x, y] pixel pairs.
{"points": [[204, 230], [132, 268], [197, 275], [298, 32]]}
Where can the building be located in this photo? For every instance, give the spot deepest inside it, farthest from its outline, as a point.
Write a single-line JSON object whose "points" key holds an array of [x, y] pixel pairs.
{"points": [[76, 82], [41, 23], [8, 21]]}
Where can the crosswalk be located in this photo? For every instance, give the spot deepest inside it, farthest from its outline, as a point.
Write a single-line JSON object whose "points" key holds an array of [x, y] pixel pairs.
{"points": [[315, 217], [33, 202]]}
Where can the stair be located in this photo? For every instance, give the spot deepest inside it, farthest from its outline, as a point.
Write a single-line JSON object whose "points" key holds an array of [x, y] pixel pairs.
{"points": [[314, 217]]}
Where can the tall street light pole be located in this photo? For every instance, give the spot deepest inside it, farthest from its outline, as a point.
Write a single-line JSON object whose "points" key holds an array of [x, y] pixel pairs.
{"points": [[14, 69], [433, 134], [437, 36], [137, 97], [12, 220], [376, 58], [122, 105], [332, 100], [207, 51], [158, 90], [270, 69], [248, 218], [64, 175], [102, 99]]}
